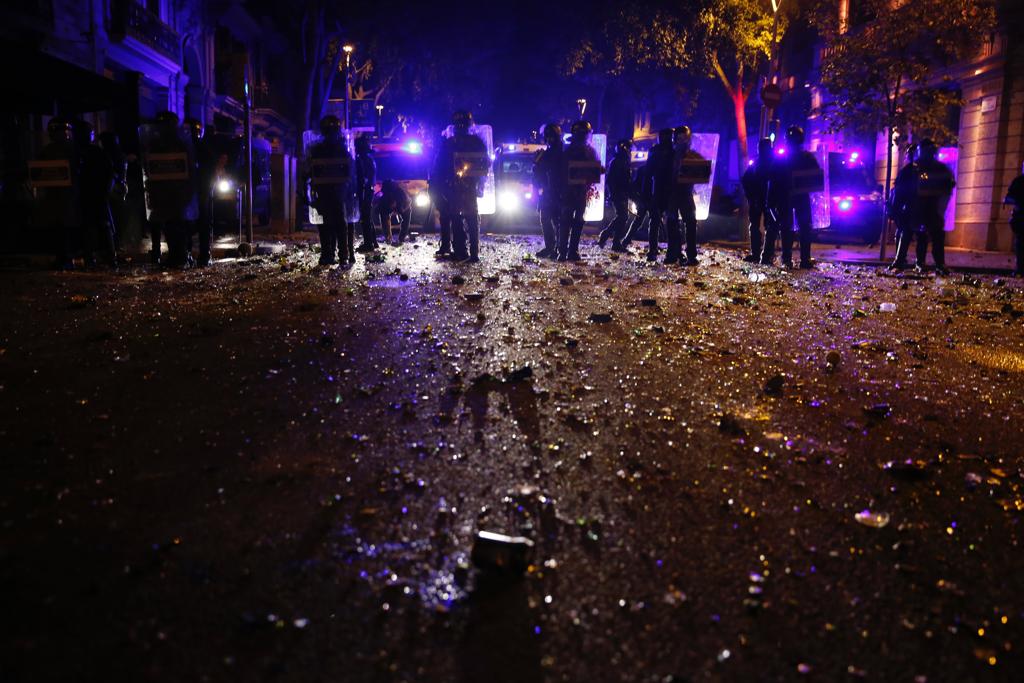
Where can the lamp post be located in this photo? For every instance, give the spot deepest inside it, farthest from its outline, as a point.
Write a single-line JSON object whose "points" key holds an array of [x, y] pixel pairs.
{"points": [[348, 77], [380, 117], [581, 104], [773, 68]]}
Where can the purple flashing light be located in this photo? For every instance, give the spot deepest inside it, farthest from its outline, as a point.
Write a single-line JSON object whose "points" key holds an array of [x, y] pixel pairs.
{"points": [[780, 150]]}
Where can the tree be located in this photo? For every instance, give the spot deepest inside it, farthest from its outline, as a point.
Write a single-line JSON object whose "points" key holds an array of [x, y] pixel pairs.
{"points": [[738, 38], [627, 44], [885, 73]]}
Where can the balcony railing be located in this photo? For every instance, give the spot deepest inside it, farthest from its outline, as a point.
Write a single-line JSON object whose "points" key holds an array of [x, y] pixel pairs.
{"points": [[130, 19]]}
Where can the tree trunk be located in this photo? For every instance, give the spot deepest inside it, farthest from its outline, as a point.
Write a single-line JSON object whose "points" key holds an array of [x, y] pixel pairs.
{"points": [[888, 183], [739, 102]]}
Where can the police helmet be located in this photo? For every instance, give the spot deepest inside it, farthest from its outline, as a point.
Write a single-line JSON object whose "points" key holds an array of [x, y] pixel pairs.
{"points": [[82, 131], [764, 148], [665, 136], [362, 145], [462, 120], [683, 134], [927, 148], [580, 130], [552, 133], [58, 129], [167, 119], [795, 135], [330, 126], [194, 127]]}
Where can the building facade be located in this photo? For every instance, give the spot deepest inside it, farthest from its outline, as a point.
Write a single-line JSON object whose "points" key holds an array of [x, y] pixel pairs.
{"points": [[990, 144]]}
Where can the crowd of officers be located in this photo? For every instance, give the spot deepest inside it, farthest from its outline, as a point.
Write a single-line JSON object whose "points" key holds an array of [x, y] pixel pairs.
{"points": [[179, 167]]}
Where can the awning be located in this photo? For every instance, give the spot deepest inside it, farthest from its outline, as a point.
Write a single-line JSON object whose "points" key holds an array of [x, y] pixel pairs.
{"points": [[35, 81]]}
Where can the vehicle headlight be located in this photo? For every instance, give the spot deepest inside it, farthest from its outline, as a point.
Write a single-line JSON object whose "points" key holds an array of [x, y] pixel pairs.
{"points": [[225, 186], [422, 199], [508, 201]]}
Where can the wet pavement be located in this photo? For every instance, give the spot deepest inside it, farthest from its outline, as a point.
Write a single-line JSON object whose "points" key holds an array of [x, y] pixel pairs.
{"points": [[269, 471]]}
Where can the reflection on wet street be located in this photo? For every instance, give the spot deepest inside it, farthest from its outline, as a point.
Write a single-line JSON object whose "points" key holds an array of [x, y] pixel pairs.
{"points": [[268, 470]]}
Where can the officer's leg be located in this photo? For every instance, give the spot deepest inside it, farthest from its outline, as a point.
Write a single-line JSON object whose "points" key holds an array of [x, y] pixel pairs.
{"points": [[803, 220], [577, 231], [653, 231], [675, 239], [106, 235], [756, 239], [473, 228], [621, 217], [459, 236], [549, 228], [564, 230], [154, 236], [406, 217], [938, 236], [786, 226], [690, 222], [921, 235], [327, 236], [634, 226], [89, 232], [903, 236], [771, 234]]}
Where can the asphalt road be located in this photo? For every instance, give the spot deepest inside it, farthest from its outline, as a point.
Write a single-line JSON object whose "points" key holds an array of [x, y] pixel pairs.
{"points": [[267, 471]]}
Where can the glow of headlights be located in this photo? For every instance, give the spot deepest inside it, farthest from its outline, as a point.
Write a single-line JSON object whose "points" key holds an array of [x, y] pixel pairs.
{"points": [[508, 201], [413, 147], [224, 186], [845, 205], [422, 199]]}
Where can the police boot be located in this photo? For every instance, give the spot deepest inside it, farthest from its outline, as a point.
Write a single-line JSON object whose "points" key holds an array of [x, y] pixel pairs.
{"points": [[474, 248], [574, 243]]}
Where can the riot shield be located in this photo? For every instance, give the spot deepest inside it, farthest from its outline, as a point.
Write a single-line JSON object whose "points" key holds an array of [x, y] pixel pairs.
{"points": [[706, 145], [485, 204], [326, 172], [168, 174]]}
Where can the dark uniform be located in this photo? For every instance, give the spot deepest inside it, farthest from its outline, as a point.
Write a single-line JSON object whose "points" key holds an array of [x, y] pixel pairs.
{"points": [[935, 183], [618, 182], [97, 180], [1015, 196], [170, 187], [681, 205], [330, 182], [463, 185], [661, 185], [111, 146], [366, 177], [788, 181], [436, 189], [394, 199], [58, 207], [549, 177], [578, 190], [206, 171], [755, 189], [903, 209], [640, 193]]}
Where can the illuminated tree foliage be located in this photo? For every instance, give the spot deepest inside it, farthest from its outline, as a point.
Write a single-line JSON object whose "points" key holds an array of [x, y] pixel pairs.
{"points": [[737, 39]]}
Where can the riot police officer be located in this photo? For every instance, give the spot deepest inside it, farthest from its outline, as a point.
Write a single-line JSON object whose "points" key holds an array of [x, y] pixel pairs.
{"points": [[206, 168], [658, 174], [366, 177], [549, 177], [330, 173], [56, 178], [584, 171], [791, 180], [1015, 196], [687, 168], [935, 183], [464, 166], [618, 182], [755, 189], [111, 146], [640, 193], [903, 208], [394, 200], [170, 186], [97, 180]]}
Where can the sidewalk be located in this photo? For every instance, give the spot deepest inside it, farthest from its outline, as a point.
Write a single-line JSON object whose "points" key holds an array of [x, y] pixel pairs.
{"points": [[962, 260]]}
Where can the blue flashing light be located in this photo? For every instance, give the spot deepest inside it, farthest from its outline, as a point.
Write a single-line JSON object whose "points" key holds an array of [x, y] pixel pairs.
{"points": [[845, 205], [780, 150], [854, 156], [511, 148], [414, 147]]}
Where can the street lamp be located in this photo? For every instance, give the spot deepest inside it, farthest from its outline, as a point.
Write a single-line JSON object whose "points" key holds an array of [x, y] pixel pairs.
{"points": [[581, 104], [348, 49], [380, 116]]}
